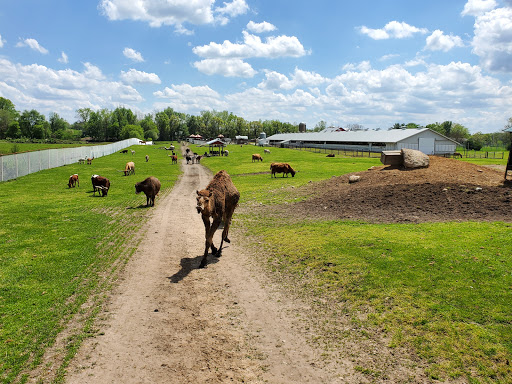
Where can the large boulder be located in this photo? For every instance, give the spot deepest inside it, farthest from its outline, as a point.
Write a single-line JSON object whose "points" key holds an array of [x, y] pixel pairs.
{"points": [[415, 159]]}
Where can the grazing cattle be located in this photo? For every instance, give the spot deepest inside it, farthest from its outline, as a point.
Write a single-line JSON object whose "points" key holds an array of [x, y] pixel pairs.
{"points": [[133, 152], [330, 155], [218, 201], [266, 150], [151, 187], [457, 154], [73, 180], [198, 159], [174, 159], [81, 161], [100, 183], [256, 157], [283, 168], [129, 168], [124, 151], [189, 159], [89, 160], [226, 153], [147, 158]]}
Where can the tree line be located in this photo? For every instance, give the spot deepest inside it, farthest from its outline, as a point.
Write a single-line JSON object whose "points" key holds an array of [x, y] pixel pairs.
{"points": [[121, 123]]}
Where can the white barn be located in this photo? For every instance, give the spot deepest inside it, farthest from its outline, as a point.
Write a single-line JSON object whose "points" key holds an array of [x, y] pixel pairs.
{"points": [[423, 139]]}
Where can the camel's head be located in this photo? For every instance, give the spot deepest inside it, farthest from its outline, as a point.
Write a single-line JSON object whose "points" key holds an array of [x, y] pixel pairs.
{"points": [[203, 201]]}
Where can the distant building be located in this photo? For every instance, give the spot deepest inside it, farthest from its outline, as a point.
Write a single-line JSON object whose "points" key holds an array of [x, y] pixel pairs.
{"points": [[422, 139], [241, 139], [302, 127]]}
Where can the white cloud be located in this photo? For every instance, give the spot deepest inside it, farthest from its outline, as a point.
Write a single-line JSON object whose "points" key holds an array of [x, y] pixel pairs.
{"points": [[389, 57], [188, 99], [63, 58], [172, 12], [260, 27], [230, 10], [137, 77], [478, 7], [132, 54], [253, 46], [362, 66], [393, 29], [64, 91], [274, 80], [33, 44], [493, 40], [225, 67], [438, 41], [2, 42]]}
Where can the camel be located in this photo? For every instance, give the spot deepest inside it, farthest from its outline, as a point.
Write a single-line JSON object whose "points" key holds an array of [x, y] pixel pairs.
{"points": [[218, 201]]}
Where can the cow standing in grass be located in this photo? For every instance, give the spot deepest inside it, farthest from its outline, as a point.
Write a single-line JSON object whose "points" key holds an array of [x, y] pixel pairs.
{"points": [[218, 201], [151, 187], [283, 168], [129, 168], [100, 183], [73, 180], [256, 157]]}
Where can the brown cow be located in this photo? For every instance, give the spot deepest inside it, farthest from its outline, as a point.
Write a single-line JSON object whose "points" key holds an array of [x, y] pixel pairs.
{"points": [[129, 168], [73, 179], [283, 168], [330, 155], [100, 183], [151, 187], [217, 201], [174, 159], [256, 157], [89, 160]]}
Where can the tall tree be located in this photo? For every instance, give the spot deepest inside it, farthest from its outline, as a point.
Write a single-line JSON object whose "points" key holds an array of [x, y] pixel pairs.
{"points": [[8, 115]]}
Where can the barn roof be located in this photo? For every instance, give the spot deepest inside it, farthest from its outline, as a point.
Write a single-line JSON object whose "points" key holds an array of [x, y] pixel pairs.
{"points": [[371, 136]]}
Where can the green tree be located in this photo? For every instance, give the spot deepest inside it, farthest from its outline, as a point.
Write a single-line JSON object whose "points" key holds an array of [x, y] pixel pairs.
{"points": [[320, 126], [8, 115], [131, 130], [13, 131], [162, 123], [459, 133], [32, 125]]}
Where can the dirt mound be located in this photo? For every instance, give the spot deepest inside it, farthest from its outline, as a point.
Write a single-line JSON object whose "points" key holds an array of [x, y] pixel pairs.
{"points": [[448, 190]]}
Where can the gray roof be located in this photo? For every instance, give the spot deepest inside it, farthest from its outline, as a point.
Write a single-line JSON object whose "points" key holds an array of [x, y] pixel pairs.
{"points": [[391, 136]]}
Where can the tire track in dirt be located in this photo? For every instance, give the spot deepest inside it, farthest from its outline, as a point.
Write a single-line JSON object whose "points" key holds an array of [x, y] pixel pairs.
{"points": [[169, 322]]}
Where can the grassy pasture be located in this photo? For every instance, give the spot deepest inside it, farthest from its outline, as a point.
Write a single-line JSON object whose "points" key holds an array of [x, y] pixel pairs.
{"points": [[6, 147], [60, 245], [441, 290]]}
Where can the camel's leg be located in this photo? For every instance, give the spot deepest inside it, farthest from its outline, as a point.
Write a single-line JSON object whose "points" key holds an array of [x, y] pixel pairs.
{"points": [[209, 232], [206, 221]]}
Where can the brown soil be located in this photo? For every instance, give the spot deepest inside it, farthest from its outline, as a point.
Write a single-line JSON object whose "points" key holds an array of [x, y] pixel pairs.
{"points": [[448, 190]]}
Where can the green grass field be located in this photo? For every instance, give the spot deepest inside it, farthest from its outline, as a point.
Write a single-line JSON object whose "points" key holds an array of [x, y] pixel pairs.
{"points": [[7, 147], [441, 290], [58, 245]]}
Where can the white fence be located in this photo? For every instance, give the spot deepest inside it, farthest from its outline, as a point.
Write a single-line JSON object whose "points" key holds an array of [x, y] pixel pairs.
{"points": [[21, 164]]}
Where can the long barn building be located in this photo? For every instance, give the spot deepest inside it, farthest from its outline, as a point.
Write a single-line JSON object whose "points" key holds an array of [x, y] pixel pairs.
{"points": [[423, 139]]}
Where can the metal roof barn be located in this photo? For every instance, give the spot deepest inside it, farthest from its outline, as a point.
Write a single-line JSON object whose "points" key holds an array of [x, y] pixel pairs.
{"points": [[421, 139]]}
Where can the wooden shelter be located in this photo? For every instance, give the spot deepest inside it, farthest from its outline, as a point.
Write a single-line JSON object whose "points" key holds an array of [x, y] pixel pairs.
{"points": [[216, 147]]}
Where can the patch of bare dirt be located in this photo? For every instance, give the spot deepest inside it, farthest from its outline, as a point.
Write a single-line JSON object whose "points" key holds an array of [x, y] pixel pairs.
{"points": [[448, 190]]}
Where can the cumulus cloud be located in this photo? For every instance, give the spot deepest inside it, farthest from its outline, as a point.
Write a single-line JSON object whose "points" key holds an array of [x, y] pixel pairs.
{"points": [[438, 41], [172, 12], [225, 67], [2, 42], [189, 99], [63, 58], [362, 66], [253, 46], [138, 77], [392, 30], [275, 80], [63, 90], [492, 41], [478, 7], [32, 44], [260, 27], [132, 54]]}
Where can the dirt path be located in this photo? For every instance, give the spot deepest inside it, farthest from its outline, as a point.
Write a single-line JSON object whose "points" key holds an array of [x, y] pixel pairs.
{"points": [[169, 322]]}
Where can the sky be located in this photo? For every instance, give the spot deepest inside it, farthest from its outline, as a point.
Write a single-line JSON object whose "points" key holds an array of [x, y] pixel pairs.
{"points": [[368, 62]]}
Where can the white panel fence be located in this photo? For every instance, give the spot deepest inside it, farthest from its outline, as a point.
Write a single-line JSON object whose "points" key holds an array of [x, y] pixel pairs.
{"points": [[21, 164]]}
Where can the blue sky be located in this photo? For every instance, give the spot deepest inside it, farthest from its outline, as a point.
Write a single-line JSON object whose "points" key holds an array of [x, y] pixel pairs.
{"points": [[369, 62]]}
